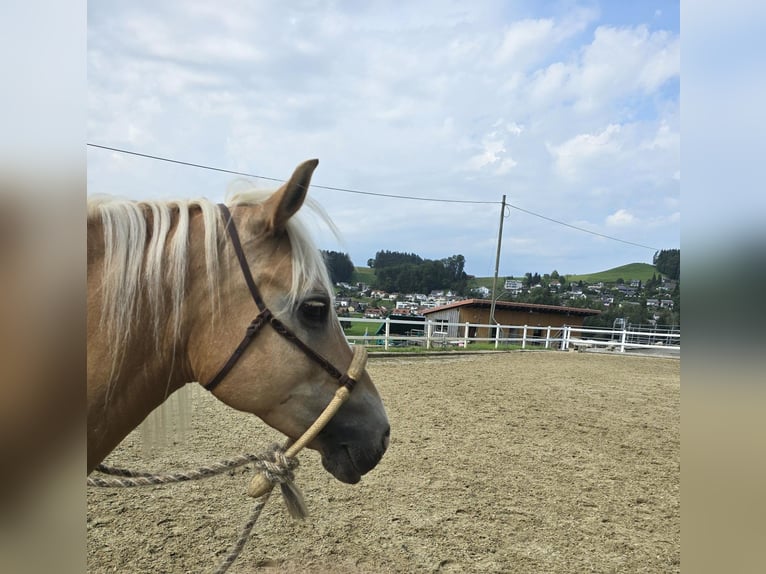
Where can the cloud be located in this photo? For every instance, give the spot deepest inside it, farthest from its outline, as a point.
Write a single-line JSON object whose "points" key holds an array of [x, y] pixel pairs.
{"points": [[620, 218], [572, 155], [621, 61], [670, 219], [574, 116], [618, 63], [526, 41], [530, 41], [493, 155], [664, 139]]}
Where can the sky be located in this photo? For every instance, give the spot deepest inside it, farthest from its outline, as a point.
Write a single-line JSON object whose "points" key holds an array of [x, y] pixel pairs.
{"points": [[571, 109]]}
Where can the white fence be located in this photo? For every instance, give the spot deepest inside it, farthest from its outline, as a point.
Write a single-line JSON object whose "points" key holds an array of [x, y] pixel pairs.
{"points": [[433, 335]]}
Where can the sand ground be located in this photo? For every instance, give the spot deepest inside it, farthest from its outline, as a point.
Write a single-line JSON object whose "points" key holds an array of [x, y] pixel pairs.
{"points": [[548, 462]]}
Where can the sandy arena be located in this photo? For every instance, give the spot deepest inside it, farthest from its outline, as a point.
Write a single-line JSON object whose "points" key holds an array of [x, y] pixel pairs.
{"points": [[548, 462]]}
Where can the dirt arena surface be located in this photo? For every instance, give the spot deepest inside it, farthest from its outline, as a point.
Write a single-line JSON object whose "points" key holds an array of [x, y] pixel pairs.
{"points": [[547, 462]]}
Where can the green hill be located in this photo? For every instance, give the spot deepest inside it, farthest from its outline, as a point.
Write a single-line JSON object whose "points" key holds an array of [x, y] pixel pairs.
{"points": [[363, 275], [641, 271]]}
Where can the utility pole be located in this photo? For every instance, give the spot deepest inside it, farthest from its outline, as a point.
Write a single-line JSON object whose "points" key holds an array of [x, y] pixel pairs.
{"points": [[497, 262]]}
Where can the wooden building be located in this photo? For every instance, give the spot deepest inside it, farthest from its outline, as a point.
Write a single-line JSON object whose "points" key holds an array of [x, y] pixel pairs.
{"points": [[451, 318]]}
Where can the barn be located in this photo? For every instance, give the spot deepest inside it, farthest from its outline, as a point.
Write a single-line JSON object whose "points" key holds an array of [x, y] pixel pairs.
{"points": [[453, 316]]}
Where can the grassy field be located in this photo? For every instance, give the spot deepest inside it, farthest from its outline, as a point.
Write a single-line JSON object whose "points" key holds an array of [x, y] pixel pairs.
{"points": [[358, 328], [363, 275], [642, 271]]}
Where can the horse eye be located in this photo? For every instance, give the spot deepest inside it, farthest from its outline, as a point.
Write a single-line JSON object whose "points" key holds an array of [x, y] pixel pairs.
{"points": [[314, 310]]}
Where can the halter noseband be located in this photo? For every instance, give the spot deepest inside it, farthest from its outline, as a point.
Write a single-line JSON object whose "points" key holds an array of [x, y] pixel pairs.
{"points": [[266, 316]]}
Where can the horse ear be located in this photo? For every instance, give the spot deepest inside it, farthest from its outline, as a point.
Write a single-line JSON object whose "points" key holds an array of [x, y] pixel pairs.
{"points": [[288, 199]]}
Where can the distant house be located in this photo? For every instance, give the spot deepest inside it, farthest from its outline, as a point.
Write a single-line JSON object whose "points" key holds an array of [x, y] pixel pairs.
{"points": [[666, 303], [406, 306], [514, 286], [506, 313], [668, 285], [482, 291], [652, 303]]}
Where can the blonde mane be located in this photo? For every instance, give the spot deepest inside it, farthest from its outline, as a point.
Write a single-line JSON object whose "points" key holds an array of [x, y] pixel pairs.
{"points": [[146, 257]]}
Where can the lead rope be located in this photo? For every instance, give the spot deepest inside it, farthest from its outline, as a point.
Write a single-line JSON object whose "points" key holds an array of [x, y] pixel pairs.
{"points": [[276, 466]]}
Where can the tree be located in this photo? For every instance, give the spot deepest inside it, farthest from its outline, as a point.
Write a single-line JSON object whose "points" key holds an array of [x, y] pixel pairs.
{"points": [[393, 259], [339, 266], [668, 262]]}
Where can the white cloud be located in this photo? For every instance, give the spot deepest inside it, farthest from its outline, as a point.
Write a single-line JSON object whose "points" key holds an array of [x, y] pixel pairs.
{"points": [[532, 40], [572, 115], [622, 60], [664, 139], [618, 63], [572, 155], [525, 40], [620, 218], [493, 148], [506, 165], [493, 155], [671, 219]]}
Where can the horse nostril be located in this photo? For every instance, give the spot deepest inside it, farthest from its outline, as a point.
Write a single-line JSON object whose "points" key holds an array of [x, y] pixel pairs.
{"points": [[386, 438]]}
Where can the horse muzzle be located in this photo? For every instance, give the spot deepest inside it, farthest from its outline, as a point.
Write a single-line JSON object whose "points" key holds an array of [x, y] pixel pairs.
{"points": [[347, 455]]}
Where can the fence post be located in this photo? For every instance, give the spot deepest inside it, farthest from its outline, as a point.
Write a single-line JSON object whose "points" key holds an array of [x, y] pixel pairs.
{"points": [[429, 333], [388, 332], [624, 336], [548, 337], [465, 336], [524, 338], [497, 335], [565, 338]]}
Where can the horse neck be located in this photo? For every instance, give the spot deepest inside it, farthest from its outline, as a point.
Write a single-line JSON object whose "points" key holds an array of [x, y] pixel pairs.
{"points": [[150, 369]]}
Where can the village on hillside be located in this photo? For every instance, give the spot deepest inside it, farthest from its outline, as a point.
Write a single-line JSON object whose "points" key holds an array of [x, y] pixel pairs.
{"points": [[653, 301]]}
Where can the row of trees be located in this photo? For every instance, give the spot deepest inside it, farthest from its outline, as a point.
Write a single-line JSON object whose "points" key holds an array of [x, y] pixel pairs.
{"points": [[405, 272], [410, 273]]}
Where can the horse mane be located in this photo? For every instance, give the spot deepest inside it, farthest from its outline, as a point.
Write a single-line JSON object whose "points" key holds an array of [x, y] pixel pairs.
{"points": [[146, 258]]}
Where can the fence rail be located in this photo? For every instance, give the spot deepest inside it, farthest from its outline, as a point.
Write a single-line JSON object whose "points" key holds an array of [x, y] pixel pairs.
{"points": [[440, 335]]}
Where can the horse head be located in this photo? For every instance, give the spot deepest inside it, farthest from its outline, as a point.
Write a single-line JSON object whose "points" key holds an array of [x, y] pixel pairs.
{"points": [[284, 375]]}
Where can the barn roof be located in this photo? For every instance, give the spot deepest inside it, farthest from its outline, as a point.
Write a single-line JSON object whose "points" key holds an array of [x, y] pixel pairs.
{"points": [[514, 306]]}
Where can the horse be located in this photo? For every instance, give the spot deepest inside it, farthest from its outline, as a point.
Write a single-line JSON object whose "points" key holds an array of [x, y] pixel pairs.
{"points": [[169, 298]]}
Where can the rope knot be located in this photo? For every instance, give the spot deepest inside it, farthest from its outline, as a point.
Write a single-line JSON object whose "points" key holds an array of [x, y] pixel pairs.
{"points": [[278, 468]]}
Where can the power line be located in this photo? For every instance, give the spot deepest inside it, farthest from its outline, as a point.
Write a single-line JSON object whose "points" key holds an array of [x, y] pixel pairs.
{"points": [[359, 192], [344, 190], [581, 228]]}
